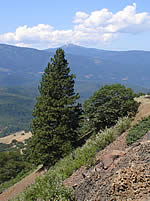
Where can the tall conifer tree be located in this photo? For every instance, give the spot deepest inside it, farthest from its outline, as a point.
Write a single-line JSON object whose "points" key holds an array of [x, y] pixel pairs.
{"points": [[56, 115]]}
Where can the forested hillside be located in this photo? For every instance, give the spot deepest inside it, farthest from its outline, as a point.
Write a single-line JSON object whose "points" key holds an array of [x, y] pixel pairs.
{"points": [[24, 66], [16, 109]]}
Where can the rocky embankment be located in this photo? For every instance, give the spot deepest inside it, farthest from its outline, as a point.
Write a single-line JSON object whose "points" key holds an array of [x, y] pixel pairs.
{"points": [[119, 175]]}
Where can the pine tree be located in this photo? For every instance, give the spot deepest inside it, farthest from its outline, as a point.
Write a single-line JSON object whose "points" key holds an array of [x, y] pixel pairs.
{"points": [[55, 126]]}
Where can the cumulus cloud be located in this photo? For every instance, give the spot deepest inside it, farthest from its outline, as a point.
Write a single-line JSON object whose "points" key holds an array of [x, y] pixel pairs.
{"points": [[80, 17], [96, 28]]}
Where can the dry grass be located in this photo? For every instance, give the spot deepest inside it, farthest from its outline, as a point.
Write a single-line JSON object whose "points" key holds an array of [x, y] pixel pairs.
{"points": [[19, 136], [144, 109]]}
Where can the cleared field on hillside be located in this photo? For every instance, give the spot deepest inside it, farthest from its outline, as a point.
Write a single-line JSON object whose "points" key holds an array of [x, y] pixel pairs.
{"points": [[19, 136]]}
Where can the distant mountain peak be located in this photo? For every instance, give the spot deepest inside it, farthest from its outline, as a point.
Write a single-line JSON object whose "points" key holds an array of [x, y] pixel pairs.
{"points": [[70, 45]]}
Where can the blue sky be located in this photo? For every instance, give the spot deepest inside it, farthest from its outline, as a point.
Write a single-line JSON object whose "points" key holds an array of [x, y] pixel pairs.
{"points": [[104, 24]]}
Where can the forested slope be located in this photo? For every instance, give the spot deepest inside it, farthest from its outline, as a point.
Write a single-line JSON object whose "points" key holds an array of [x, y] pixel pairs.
{"points": [[15, 110]]}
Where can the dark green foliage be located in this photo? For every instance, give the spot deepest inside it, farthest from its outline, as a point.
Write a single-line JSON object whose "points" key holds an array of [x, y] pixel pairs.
{"points": [[107, 105], [56, 117], [13, 146], [5, 147], [11, 163], [140, 94], [18, 178], [19, 145], [138, 130], [14, 141]]}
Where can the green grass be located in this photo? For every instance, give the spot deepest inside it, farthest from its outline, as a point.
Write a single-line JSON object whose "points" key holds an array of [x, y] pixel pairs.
{"points": [[138, 130], [50, 186]]}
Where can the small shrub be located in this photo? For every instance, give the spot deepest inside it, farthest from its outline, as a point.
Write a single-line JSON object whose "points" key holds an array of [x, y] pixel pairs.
{"points": [[14, 141], [138, 130]]}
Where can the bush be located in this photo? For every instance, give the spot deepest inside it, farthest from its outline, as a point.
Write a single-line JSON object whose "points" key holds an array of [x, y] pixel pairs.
{"points": [[138, 130], [107, 105]]}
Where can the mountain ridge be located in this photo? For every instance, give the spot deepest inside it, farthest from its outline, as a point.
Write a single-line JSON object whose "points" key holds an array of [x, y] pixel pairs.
{"points": [[24, 66]]}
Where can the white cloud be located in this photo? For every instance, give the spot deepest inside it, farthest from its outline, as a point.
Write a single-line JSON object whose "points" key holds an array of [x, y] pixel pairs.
{"points": [[96, 28], [80, 17], [98, 18]]}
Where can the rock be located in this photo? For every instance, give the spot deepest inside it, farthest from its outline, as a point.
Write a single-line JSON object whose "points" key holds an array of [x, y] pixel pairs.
{"points": [[110, 157], [126, 180]]}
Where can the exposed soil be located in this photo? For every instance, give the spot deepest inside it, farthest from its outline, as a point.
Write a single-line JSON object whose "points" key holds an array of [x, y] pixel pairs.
{"points": [[144, 109], [19, 136]]}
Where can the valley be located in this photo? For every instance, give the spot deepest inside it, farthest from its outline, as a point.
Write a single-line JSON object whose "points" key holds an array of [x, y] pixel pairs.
{"points": [[21, 70]]}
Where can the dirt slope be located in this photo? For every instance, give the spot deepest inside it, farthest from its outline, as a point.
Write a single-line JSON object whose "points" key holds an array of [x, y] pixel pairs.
{"points": [[121, 173]]}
